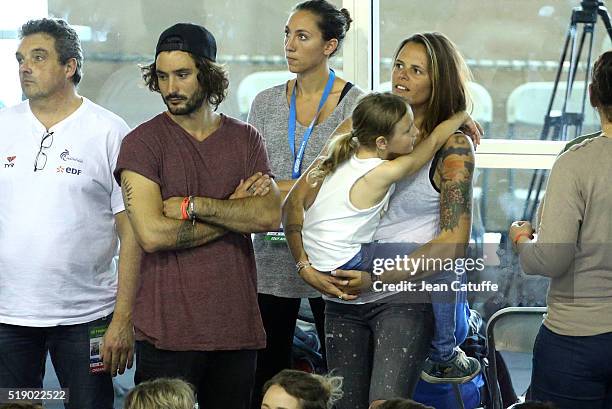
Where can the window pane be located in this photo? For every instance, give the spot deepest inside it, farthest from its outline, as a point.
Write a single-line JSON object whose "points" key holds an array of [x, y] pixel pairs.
{"points": [[118, 35], [509, 46]]}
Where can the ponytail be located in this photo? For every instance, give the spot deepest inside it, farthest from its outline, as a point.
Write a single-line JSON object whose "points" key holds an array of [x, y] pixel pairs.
{"points": [[341, 148]]}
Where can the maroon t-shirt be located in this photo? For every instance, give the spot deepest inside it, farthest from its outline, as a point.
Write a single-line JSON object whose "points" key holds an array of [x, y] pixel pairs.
{"points": [[204, 298]]}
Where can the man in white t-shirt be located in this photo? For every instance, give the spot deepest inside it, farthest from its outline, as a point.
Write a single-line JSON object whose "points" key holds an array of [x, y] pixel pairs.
{"points": [[61, 215]]}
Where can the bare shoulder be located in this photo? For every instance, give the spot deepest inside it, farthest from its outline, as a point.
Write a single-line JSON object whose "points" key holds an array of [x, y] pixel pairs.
{"points": [[339, 85]]}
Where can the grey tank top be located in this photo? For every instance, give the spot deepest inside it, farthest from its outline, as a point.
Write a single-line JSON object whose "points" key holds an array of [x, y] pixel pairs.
{"points": [[413, 215]]}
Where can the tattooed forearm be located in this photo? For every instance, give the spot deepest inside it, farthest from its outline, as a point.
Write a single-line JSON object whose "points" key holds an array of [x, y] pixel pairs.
{"points": [[128, 194], [455, 201], [186, 235], [293, 228], [456, 169]]}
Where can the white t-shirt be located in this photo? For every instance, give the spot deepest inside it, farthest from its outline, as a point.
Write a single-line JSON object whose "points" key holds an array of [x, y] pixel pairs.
{"points": [[58, 243]]}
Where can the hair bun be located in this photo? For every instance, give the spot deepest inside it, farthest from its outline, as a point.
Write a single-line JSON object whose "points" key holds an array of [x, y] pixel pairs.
{"points": [[348, 18]]}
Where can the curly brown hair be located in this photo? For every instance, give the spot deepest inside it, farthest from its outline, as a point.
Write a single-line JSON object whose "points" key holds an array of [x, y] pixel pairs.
{"points": [[213, 79], [312, 391]]}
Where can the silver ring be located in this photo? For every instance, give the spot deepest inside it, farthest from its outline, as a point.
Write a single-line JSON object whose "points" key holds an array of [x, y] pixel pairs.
{"points": [[340, 296]]}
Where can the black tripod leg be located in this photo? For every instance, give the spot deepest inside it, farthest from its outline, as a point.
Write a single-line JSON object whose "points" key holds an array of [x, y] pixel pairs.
{"points": [[605, 16], [536, 199]]}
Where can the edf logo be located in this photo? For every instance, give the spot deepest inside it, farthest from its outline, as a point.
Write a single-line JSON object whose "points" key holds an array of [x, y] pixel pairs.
{"points": [[73, 171]]}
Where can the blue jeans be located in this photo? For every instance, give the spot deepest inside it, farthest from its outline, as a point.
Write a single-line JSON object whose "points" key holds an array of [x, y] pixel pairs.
{"points": [[446, 316], [444, 303], [572, 372], [23, 352], [379, 348]]}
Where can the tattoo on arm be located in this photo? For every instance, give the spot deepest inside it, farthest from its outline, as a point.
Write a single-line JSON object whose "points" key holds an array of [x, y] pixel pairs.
{"points": [[455, 202], [456, 183], [128, 194], [186, 235]]}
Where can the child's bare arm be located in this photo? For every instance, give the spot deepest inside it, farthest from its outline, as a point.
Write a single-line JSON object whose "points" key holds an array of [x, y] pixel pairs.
{"points": [[398, 168]]}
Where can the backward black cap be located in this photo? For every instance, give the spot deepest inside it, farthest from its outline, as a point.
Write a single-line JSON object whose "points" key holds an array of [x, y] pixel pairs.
{"points": [[190, 38]]}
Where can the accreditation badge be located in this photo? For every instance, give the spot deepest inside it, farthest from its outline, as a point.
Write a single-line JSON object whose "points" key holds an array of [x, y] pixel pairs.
{"points": [[96, 335], [276, 237]]}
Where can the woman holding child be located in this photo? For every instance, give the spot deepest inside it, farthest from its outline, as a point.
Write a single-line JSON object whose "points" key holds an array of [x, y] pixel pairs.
{"points": [[379, 342]]}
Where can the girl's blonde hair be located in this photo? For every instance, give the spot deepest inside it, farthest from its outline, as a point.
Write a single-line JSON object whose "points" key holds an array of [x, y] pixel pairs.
{"points": [[163, 393], [313, 391], [375, 115]]}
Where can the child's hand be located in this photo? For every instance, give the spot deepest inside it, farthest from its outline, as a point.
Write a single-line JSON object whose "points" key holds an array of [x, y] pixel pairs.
{"points": [[472, 129]]}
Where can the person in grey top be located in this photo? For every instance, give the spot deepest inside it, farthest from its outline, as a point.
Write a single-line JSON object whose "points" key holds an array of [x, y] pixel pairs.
{"points": [[321, 101], [572, 359]]}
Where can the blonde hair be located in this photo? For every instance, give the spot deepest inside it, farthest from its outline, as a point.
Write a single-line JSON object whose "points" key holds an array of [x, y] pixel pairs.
{"points": [[163, 393], [375, 115], [313, 391]]}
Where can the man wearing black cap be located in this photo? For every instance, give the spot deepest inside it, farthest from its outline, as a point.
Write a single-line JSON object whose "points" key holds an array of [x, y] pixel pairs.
{"points": [[186, 177]]}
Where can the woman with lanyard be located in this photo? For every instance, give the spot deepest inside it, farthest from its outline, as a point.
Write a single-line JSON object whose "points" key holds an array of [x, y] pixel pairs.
{"points": [[379, 341], [296, 120]]}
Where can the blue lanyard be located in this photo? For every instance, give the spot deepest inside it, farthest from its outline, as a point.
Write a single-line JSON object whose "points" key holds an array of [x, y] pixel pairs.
{"points": [[299, 157]]}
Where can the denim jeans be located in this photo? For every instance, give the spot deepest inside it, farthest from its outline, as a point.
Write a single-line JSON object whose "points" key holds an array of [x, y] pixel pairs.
{"points": [[379, 348], [444, 303], [223, 379], [23, 352], [572, 372], [445, 311]]}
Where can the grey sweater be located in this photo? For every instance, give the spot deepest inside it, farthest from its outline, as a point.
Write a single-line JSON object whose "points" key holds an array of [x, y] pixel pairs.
{"points": [[574, 243], [270, 115]]}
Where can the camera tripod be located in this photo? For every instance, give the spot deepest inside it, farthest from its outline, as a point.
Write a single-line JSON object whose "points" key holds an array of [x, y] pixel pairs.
{"points": [[556, 124]]}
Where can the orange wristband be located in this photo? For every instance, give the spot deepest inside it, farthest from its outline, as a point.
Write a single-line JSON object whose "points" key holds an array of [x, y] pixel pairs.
{"points": [[184, 205], [518, 236]]}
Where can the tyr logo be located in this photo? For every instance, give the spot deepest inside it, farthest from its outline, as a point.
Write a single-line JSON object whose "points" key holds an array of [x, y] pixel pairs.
{"points": [[11, 162]]}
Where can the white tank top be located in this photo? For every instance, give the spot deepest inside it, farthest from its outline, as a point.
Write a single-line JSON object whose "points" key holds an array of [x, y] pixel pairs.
{"points": [[334, 229], [413, 216]]}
